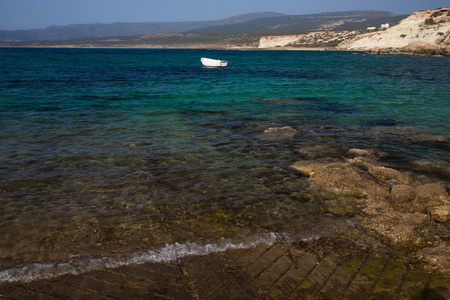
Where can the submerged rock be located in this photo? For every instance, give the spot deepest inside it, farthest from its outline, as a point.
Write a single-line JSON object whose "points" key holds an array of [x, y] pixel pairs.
{"points": [[427, 137], [308, 167], [435, 200], [359, 152], [278, 133], [437, 256], [431, 191], [389, 175], [402, 198], [341, 207], [368, 153], [395, 206], [402, 193], [320, 151], [432, 166], [349, 179], [406, 133], [440, 213], [402, 229]]}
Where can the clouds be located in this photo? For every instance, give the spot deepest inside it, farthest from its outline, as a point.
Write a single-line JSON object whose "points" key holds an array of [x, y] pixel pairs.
{"points": [[29, 14]]}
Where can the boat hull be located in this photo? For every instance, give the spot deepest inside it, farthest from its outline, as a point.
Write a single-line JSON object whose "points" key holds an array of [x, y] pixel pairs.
{"points": [[213, 63]]}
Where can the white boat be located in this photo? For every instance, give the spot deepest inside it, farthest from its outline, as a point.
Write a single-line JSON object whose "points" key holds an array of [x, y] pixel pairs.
{"points": [[217, 63]]}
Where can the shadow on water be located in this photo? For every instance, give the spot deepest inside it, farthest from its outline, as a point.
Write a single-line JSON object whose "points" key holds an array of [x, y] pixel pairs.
{"points": [[313, 104], [319, 104], [295, 74], [388, 121]]}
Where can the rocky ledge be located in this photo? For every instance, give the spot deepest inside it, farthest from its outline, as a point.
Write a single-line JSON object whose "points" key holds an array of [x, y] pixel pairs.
{"points": [[416, 48], [406, 206], [403, 209]]}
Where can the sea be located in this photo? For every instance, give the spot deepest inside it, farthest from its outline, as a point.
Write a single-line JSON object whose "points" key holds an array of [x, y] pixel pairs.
{"points": [[110, 157]]}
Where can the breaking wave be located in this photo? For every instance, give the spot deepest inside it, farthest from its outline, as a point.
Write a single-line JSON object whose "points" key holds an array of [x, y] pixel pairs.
{"points": [[166, 254]]}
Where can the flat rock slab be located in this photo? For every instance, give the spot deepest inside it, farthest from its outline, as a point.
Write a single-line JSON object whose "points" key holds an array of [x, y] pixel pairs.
{"points": [[319, 269]]}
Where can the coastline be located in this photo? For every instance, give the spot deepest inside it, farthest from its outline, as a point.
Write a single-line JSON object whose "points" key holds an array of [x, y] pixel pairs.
{"points": [[425, 33], [419, 51], [213, 47]]}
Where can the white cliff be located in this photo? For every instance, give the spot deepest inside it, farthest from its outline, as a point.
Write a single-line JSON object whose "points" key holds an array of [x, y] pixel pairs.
{"points": [[277, 41], [324, 38], [426, 29], [424, 32]]}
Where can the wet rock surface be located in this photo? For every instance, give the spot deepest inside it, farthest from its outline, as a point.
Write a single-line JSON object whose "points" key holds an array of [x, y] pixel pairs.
{"points": [[342, 266], [369, 230], [402, 209], [278, 133]]}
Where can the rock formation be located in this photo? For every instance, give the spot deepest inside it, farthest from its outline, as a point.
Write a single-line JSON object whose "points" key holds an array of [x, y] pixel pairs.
{"points": [[424, 32], [316, 38], [399, 207]]}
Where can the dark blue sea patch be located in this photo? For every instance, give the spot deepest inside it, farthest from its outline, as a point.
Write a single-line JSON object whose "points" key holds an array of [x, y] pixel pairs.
{"points": [[295, 74], [388, 121], [321, 105]]}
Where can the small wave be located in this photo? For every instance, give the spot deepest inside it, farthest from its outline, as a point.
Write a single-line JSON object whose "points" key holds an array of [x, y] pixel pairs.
{"points": [[168, 253]]}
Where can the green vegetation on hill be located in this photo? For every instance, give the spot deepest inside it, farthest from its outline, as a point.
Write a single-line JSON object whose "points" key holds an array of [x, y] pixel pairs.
{"points": [[244, 30], [298, 23], [83, 31], [371, 23], [156, 40]]}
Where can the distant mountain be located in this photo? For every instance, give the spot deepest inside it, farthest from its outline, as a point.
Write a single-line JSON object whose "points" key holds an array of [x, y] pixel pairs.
{"points": [[296, 23], [83, 31], [243, 30]]}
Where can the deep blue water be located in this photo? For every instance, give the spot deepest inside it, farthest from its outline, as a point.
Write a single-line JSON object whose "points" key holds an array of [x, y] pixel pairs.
{"points": [[110, 151]]}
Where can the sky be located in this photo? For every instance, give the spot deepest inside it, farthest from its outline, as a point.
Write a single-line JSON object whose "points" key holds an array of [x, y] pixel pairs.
{"points": [[33, 14]]}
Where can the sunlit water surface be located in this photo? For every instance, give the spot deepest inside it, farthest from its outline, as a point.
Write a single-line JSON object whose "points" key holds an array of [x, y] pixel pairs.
{"points": [[110, 157]]}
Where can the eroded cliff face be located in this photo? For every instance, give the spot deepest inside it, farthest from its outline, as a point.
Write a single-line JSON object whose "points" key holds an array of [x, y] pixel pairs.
{"points": [[324, 38], [277, 41], [424, 31]]}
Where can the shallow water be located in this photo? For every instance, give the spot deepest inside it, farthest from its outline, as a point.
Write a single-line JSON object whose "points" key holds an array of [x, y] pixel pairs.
{"points": [[108, 155]]}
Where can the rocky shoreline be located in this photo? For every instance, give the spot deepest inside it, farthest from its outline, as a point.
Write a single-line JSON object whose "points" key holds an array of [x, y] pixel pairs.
{"points": [[422, 33], [417, 48], [403, 208]]}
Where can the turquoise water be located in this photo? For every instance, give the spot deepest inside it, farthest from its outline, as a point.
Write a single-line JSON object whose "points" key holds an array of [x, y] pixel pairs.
{"points": [[112, 156]]}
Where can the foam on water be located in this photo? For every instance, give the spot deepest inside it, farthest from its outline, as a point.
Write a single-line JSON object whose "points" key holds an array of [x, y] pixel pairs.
{"points": [[166, 254]]}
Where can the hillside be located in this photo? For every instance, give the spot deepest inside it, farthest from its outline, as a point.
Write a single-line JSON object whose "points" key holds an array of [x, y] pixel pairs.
{"points": [[424, 32], [85, 31], [249, 24], [296, 23]]}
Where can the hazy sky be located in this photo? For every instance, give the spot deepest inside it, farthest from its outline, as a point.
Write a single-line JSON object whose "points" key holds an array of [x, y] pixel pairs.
{"points": [[30, 14]]}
